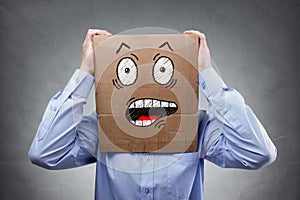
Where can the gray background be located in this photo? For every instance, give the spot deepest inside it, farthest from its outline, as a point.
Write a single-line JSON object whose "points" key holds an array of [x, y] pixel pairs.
{"points": [[254, 44]]}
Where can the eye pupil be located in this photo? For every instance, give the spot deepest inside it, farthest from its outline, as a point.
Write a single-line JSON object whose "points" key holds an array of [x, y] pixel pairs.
{"points": [[162, 69], [127, 70]]}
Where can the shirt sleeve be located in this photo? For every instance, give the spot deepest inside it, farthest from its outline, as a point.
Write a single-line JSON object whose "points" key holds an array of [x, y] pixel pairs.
{"points": [[233, 136], [65, 138]]}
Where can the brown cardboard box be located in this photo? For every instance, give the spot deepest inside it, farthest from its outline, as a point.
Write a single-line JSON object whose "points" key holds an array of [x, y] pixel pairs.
{"points": [[147, 92]]}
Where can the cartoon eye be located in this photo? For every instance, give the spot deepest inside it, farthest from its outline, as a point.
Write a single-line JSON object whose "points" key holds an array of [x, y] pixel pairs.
{"points": [[163, 70], [127, 71]]}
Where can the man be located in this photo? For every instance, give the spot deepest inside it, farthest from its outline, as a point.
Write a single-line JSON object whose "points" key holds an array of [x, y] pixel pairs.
{"points": [[229, 135]]}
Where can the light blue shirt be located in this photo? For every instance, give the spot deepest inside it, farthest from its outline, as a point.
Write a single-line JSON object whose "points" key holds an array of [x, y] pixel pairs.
{"points": [[230, 136]]}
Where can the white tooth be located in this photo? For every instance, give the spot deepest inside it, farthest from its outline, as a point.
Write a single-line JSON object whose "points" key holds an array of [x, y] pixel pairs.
{"points": [[139, 122], [131, 105], [146, 122], [153, 120], [139, 103], [172, 105], [164, 104], [156, 103], [132, 121], [148, 103]]}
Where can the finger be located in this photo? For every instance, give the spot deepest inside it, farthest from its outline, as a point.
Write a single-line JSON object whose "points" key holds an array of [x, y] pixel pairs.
{"points": [[191, 32], [98, 32], [201, 36], [188, 31], [91, 32], [107, 33]]}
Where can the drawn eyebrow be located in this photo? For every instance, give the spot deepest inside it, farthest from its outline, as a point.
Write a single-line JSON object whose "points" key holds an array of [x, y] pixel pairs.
{"points": [[164, 44], [135, 56], [156, 56], [120, 47]]}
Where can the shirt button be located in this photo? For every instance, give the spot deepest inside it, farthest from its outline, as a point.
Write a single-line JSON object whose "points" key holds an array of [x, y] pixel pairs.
{"points": [[227, 89], [77, 80], [148, 158], [147, 190], [203, 84]]}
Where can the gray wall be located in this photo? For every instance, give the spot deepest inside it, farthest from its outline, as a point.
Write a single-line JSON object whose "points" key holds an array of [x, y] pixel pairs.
{"points": [[254, 44]]}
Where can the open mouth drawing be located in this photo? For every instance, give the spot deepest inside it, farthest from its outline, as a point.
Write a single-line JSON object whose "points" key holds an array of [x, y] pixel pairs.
{"points": [[144, 112]]}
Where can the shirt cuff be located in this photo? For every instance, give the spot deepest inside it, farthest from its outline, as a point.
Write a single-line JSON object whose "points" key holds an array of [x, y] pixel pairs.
{"points": [[80, 83], [210, 81]]}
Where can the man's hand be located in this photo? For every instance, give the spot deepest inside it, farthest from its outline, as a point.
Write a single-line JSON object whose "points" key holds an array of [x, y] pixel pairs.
{"points": [[203, 55], [87, 58]]}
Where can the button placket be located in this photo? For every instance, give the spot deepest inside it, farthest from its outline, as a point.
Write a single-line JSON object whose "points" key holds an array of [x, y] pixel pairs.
{"points": [[147, 176]]}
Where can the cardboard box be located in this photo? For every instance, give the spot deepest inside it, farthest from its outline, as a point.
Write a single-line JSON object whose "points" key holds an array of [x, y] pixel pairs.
{"points": [[147, 92]]}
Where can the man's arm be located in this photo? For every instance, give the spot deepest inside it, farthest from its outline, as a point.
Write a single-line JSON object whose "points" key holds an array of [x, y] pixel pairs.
{"points": [[65, 138], [234, 137], [60, 142]]}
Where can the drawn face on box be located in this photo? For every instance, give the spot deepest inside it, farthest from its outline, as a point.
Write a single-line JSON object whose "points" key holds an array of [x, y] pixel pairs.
{"points": [[147, 92]]}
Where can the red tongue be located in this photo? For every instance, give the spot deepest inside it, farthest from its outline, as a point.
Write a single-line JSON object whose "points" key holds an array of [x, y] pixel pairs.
{"points": [[142, 118]]}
